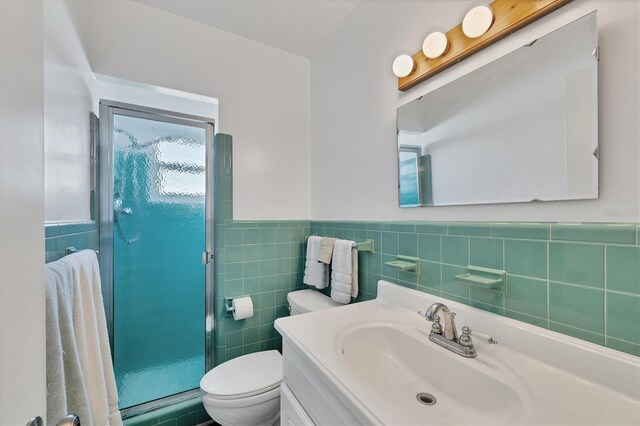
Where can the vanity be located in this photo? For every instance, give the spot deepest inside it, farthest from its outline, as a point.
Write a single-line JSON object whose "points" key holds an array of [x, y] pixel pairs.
{"points": [[373, 363]]}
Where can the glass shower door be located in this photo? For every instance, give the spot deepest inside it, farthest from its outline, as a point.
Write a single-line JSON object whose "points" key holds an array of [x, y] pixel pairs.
{"points": [[159, 235]]}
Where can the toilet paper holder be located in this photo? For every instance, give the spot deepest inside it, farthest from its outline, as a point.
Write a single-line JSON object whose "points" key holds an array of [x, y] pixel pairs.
{"points": [[228, 304]]}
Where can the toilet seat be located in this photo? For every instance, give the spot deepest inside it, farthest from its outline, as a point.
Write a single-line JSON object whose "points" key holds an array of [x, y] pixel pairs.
{"points": [[244, 377], [247, 401]]}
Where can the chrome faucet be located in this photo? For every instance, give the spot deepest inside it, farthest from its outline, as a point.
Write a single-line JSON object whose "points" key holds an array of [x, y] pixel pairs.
{"points": [[450, 331], [447, 336]]}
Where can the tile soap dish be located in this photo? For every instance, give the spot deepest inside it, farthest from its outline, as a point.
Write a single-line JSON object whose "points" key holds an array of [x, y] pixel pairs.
{"points": [[404, 263], [487, 278]]}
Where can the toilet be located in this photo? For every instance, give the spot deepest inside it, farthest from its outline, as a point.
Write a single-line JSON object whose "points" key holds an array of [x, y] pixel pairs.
{"points": [[246, 390], [303, 301]]}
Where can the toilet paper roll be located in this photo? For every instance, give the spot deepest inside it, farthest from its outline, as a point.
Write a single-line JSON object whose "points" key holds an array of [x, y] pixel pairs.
{"points": [[242, 308]]}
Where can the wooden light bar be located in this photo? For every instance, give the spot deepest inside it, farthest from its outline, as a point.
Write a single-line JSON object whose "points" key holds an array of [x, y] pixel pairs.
{"points": [[509, 16]]}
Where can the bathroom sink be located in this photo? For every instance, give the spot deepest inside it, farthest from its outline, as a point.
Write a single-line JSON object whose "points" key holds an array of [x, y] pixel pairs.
{"points": [[400, 364], [373, 363]]}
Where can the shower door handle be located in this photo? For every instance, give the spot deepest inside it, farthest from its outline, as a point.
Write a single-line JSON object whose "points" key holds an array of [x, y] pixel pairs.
{"points": [[68, 420], [35, 421], [207, 257]]}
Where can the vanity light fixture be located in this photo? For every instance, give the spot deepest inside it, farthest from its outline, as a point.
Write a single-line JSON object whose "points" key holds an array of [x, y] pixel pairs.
{"points": [[403, 65], [482, 26], [477, 21], [435, 45]]}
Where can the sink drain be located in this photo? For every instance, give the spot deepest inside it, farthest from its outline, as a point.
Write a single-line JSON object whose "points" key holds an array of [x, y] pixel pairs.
{"points": [[426, 398]]}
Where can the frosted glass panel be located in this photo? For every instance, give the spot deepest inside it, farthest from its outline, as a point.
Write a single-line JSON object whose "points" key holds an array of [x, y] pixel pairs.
{"points": [[159, 280]]}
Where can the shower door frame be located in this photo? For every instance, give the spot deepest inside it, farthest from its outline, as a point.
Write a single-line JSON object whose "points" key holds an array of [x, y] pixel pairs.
{"points": [[108, 109]]}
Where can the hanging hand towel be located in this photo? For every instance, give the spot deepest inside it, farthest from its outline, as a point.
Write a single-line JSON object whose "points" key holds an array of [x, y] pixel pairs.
{"points": [[344, 278], [80, 375], [325, 253], [315, 273]]}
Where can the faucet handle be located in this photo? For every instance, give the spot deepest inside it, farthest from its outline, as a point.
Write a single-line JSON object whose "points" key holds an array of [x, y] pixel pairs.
{"points": [[484, 337], [436, 327], [465, 339]]}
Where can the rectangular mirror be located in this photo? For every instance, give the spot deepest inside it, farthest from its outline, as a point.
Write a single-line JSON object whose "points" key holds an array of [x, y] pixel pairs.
{"points": [[521, 128]]}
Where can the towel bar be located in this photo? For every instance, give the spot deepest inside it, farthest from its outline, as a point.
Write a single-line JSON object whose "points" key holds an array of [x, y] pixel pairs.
{"points": [[367, 246], [71, 250]]}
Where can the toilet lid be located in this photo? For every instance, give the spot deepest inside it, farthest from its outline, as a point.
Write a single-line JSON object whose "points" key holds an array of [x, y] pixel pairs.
{"points": [[310, 301], [244, 376]]}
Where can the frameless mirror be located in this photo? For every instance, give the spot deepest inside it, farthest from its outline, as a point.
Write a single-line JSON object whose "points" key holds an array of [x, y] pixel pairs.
{"points": [[521, 128]]}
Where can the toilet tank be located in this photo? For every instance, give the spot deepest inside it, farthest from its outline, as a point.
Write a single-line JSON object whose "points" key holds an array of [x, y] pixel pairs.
{"points": [[304, 301]]}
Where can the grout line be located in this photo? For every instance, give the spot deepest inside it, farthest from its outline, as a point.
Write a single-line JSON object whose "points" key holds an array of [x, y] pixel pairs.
{"points": [[441, 268], [586, 287], [623, 293], [506, 275], [576, 328], [605, 296], [469, 262], [524, 313], [548, 284], [625, 341]]}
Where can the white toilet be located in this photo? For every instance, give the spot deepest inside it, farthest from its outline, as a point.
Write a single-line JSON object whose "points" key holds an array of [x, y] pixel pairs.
{"points": [[246, 390]]}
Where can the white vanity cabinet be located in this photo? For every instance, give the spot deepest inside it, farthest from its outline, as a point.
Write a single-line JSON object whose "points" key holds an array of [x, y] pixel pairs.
{"points": [[291, 412], [306, 398]]}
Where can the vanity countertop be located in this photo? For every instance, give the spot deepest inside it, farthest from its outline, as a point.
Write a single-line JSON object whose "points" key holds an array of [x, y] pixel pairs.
{"points": [[376, 358]]}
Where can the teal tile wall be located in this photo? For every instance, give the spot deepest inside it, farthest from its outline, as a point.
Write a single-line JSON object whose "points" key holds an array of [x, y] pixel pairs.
{"points": [[187, 413], [578, 279], [59, 236], [263, 259]]}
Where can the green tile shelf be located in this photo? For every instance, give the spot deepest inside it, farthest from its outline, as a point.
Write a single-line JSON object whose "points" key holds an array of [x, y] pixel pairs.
{"points": [[486, 278], [480, 281], [404, 263]]}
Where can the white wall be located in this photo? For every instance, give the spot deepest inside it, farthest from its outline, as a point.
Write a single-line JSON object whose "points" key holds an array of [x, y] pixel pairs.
{"points": [[263, 93], [70, 93], [22, 307], [135, 93], [354, 101]]}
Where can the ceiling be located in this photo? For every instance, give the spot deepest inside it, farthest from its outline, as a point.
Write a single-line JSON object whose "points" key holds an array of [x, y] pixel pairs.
{"points": [[296, 26]]}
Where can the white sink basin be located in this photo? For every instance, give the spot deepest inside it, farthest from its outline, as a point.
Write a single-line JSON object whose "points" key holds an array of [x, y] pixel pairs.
{"points": [[374, 358], [399, 363]]}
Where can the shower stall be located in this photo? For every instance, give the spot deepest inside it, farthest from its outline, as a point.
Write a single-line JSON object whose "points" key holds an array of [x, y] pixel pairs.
{"points": [[156, 251]]}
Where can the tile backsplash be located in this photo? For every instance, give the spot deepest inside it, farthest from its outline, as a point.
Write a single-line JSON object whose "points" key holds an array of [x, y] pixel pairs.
{"points": [[578, 279]]}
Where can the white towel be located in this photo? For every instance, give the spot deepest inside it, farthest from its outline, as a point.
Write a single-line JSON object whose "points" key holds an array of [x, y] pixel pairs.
{"points": [[63, 362], [325, 252], [79, 371], [315, 273], [344, 278]]}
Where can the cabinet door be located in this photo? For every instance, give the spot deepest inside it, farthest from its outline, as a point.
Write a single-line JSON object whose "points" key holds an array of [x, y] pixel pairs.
{"points": [[291, 412]]}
